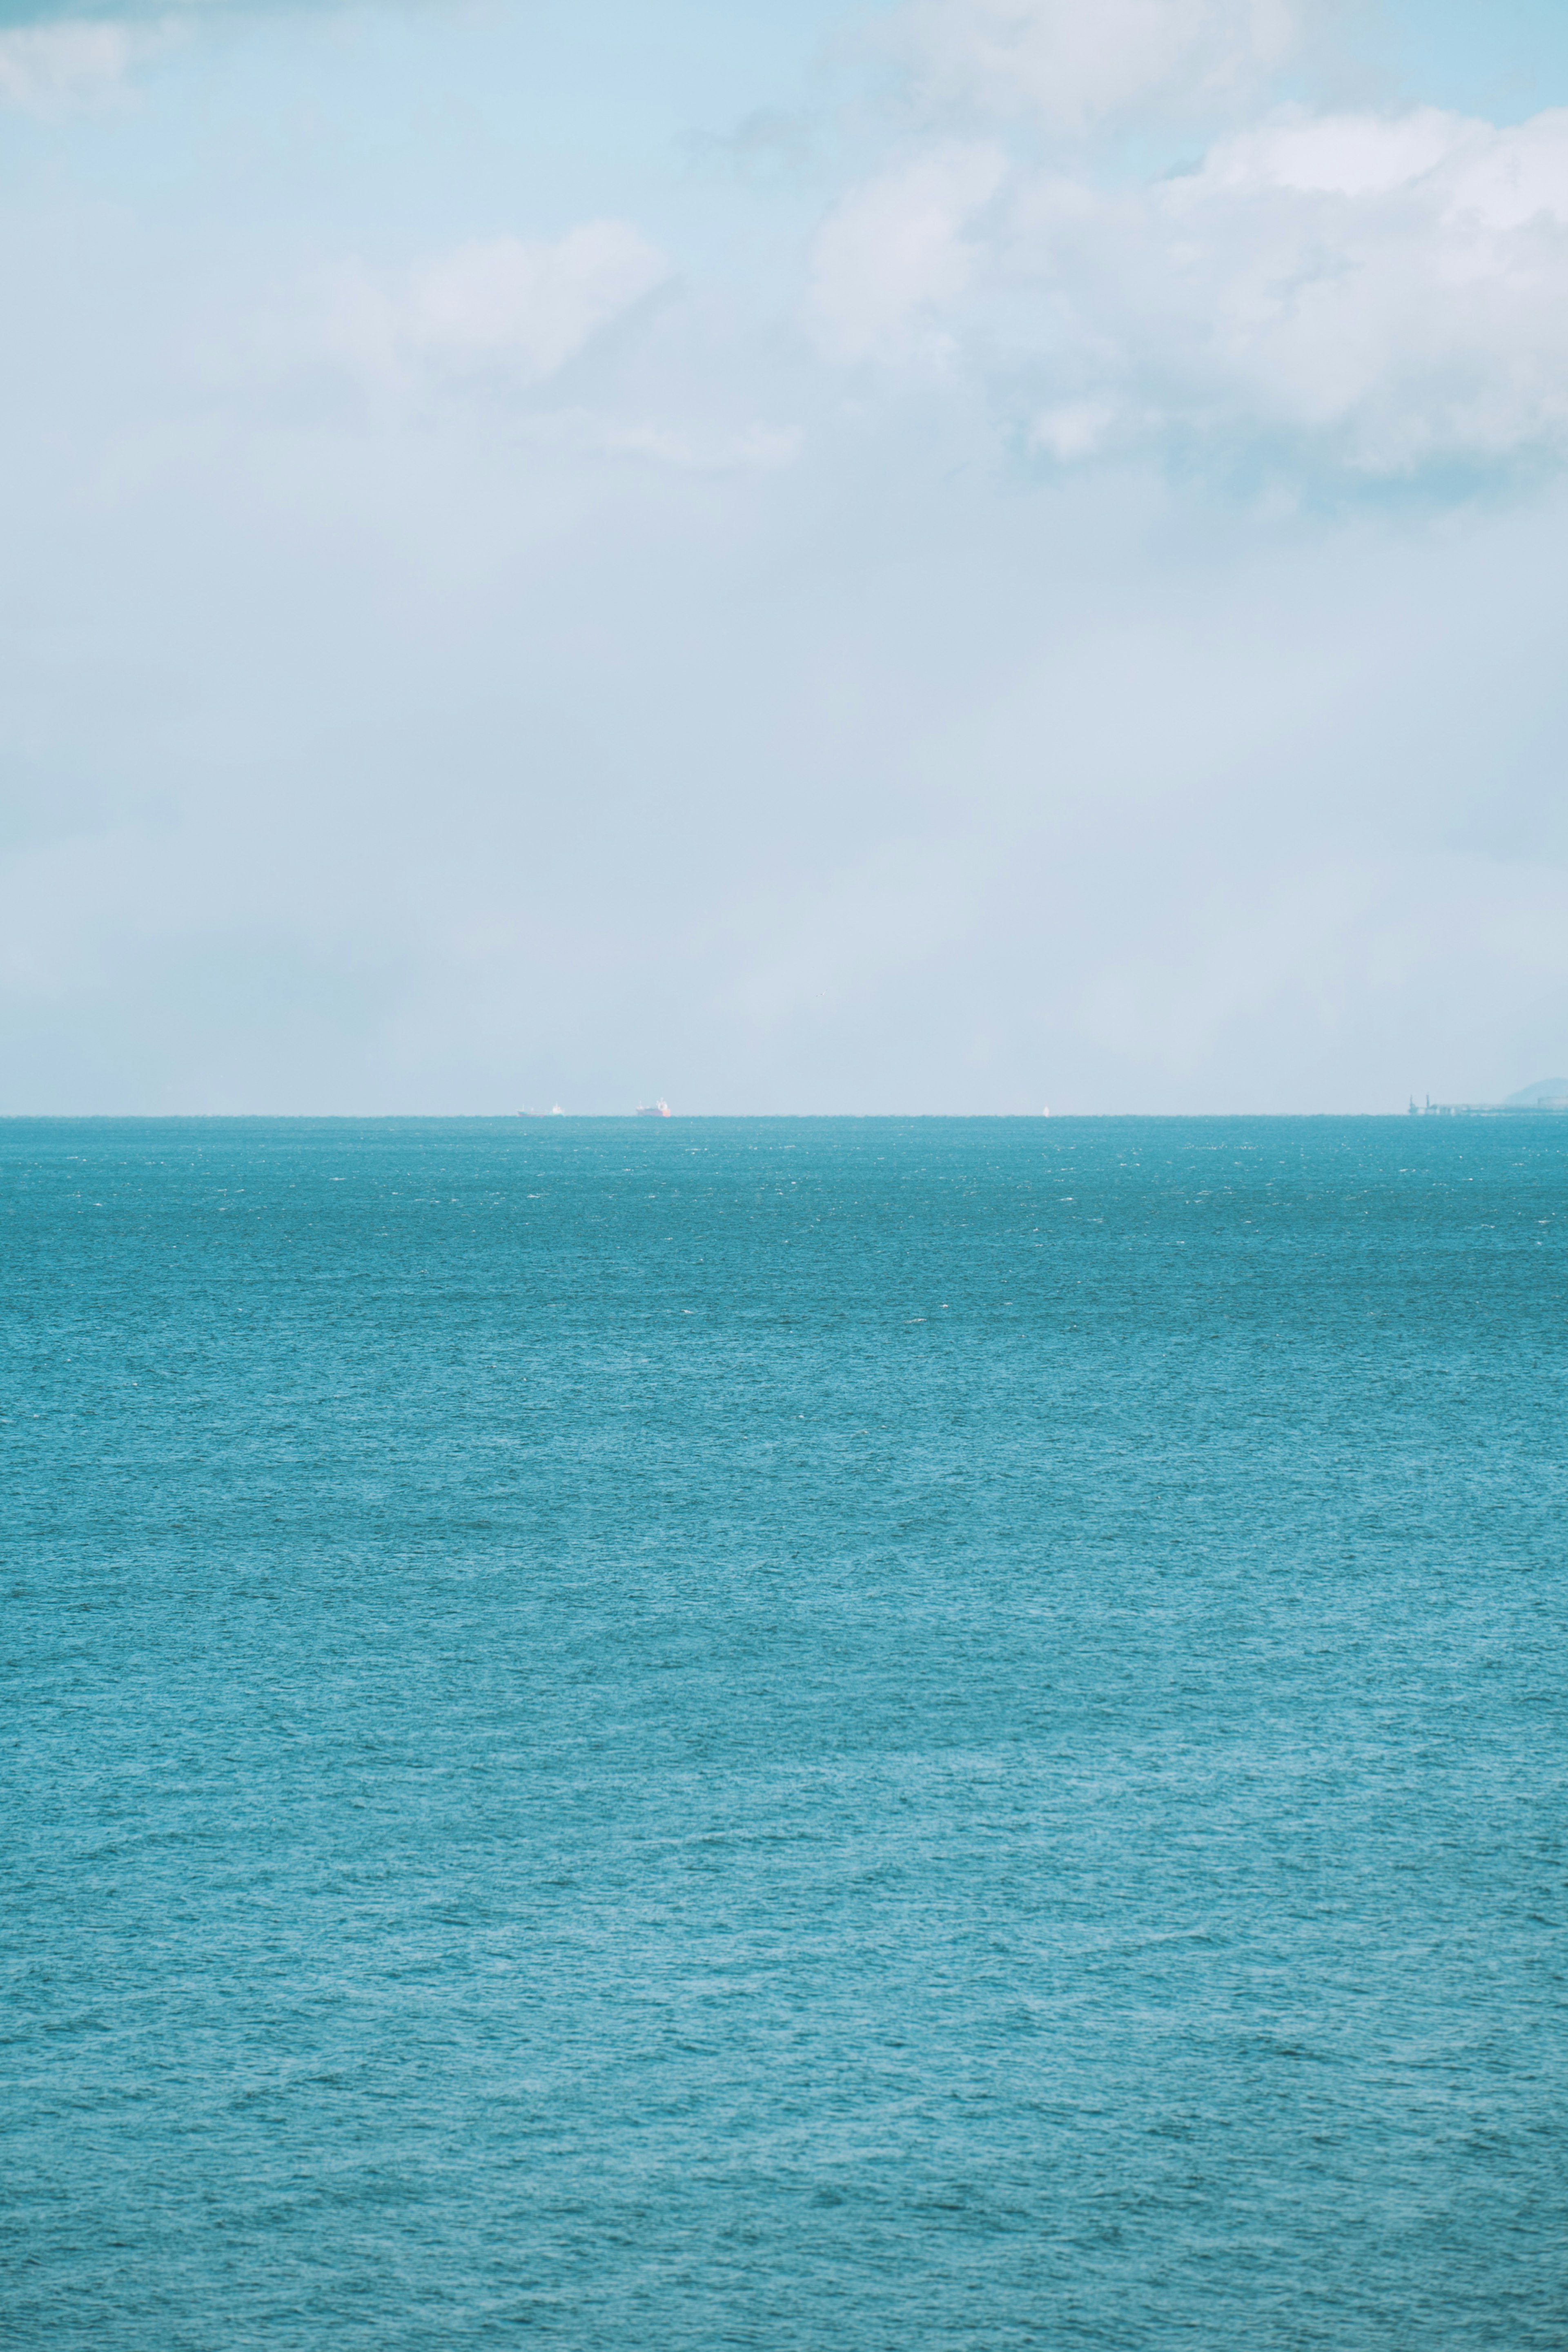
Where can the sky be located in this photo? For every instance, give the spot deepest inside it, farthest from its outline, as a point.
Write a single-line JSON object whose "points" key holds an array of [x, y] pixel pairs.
{"points": [[947, 556]]}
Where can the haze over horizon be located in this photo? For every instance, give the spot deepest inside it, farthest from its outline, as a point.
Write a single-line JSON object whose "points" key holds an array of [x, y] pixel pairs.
{"points": [[945, 556]]}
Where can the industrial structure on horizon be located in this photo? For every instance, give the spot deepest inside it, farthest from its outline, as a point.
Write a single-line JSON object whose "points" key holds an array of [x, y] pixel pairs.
{"points": [[1550, 1094]]}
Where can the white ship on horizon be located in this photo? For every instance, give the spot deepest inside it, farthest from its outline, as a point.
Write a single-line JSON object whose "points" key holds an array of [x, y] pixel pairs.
{"points": [[652, 1110]]}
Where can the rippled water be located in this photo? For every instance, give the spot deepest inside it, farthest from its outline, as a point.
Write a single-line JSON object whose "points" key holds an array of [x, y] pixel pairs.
{"points": [[918, 1734]]}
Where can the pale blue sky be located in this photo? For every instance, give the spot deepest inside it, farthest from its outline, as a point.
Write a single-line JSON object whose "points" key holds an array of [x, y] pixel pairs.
{"points": [[807, 560]]}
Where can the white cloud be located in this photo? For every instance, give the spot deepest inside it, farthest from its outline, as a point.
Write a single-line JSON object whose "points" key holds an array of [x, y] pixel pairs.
{"points": [[1074, 429], [898, 250], [1075, 63], [1341, 155], [48, 69], [481, 331], [503, 308], [1367, 293], [1396, 289], [529, 308]]}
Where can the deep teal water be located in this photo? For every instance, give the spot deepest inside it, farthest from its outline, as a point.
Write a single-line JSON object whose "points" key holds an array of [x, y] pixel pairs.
{"points": [[795, 1734]]}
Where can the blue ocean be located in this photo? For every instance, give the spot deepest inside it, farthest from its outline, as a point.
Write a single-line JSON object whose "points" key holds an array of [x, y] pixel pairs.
{"points": [[869, 1733]]}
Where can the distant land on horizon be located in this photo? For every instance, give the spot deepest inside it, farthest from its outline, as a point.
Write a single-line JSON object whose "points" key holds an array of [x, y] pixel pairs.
{"points": [[1544, 1093]]}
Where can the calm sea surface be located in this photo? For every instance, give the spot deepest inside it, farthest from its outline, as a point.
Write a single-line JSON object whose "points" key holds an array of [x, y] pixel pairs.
{"points": [[800, 1734]]}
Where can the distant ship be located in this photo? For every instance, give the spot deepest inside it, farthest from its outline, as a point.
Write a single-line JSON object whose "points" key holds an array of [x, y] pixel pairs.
{"points": [[554, 1111], [653, 1110]]}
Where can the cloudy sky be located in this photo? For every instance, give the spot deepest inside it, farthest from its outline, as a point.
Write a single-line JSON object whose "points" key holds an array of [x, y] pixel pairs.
{"points": [[948, 555]]}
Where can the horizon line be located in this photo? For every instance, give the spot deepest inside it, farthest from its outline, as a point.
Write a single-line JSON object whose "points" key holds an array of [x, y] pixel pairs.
{"points": [[631, 1117]]}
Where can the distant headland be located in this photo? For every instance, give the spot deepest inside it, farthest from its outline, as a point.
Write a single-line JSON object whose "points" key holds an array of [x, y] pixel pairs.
{"points": [[1547, 1095]]}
